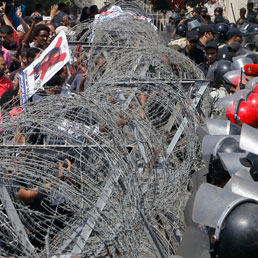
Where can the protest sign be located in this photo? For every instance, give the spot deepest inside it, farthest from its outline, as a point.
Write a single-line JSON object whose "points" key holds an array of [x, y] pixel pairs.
{"points": [[114, 12], [53, 58]]}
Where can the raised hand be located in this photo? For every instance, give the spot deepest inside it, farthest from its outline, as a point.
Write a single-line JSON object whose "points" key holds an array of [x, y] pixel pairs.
{"points": [[19, 12], [53, 10]]}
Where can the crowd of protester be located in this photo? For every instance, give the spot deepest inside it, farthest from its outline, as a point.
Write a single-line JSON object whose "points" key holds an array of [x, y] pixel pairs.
{"points": [[24, 34]]}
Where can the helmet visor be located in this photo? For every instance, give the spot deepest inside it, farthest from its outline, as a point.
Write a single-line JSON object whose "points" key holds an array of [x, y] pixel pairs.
{"points": [[240, 61]]}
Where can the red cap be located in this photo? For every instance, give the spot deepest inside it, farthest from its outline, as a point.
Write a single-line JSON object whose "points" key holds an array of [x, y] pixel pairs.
{"points": [[251, 69]]}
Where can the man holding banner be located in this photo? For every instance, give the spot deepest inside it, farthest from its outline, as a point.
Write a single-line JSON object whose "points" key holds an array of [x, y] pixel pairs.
{"points": [[53, 58]]}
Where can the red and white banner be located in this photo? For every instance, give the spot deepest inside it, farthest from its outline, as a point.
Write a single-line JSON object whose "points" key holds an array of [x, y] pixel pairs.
{"points": [[114, 12], [53, 58]]}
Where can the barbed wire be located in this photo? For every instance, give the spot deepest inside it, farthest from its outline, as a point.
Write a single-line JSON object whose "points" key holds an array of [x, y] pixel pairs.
{"points": [[84, 174], [74, 190], [142, 65]]}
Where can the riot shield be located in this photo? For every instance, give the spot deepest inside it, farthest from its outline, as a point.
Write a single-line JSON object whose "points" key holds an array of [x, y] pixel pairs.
{"points": [[194, 243], [212, 204], [212, 143], [249, 139], [231, 161], [243, 187]]}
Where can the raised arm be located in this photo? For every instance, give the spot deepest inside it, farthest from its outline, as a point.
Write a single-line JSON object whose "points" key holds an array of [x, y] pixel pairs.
{"points": [[28, 34], [23, 23], [53, 13], [6, 18]]}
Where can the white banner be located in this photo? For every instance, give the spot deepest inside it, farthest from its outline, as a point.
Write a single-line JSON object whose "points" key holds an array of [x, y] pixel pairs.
{"points": [[114, 12], [53, 58]]}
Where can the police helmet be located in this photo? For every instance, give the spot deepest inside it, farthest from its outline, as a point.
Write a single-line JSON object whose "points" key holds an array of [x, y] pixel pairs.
{"points": [[231, 214], [238, 238], [253, 28], [181, 30], [222, 67], [218, 10], [217, 174], [232, 25], [222, 29], [245, 27]]}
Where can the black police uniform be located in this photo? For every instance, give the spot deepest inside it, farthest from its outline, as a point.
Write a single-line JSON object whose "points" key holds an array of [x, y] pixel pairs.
{"points": [[225, 53], [197, 55], [204, 67], [200, 46]]}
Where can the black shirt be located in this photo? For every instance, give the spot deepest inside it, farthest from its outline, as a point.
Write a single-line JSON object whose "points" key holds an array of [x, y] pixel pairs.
{"points": [[200, 46], [197, 55]]}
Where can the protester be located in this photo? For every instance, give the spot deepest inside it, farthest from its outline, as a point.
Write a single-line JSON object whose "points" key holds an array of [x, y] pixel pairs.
{"points": [[15, 79], [14, 47], [52, 87], [6, 55], [7, 73], [62, 11], [52, 33], [40, 36], [38, 10], [31, 54], [12, 9], [23, 59], [5, 83], [85, 14]]}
